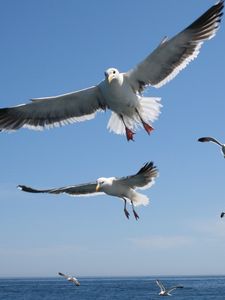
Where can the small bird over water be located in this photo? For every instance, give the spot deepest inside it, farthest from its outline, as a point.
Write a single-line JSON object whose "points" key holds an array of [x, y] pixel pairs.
{"points": [[222, 214], [213, 140], [70, 279], [123, 187], [164, 291], [120, 92]]}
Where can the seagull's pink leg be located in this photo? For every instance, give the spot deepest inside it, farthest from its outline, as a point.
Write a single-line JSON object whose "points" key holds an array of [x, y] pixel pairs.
{"points": [[148, 128], [129, 132], [134, 212], [125, 209], [126, 213]]}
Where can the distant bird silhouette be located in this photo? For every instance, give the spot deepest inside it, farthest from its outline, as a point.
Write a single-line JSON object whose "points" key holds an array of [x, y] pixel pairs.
{"points": [[164, 291], [222, 214], [70, 279], [211, 139]]}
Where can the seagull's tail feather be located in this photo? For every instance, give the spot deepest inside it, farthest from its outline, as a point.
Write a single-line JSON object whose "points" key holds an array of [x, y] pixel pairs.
{"points": [[115, 124], [140, 199], [149, 112], [150, 108]]}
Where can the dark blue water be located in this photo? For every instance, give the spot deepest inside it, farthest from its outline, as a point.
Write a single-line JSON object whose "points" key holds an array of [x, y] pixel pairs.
{"points": [[132, 288]]}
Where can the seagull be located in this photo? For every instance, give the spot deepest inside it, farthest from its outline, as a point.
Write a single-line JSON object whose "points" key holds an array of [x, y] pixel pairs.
{"points": [[222, 214], [121, 92], [164, 291], [123, 187], [70, 278], [211, 139]]}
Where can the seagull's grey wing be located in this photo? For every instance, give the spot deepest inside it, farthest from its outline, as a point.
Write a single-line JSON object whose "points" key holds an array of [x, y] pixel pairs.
{"points": [[173, 55], [53, 111], [74, 190], [175, 287], [209, 139], [61, 274], [161, 286], [144, 178]]}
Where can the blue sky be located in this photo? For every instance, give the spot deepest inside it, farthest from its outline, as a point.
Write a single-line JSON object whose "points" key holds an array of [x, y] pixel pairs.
{"points": [[52, 47]]}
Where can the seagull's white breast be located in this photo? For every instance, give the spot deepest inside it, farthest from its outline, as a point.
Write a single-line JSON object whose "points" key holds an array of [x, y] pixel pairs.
{"points": [[119, 95], [114, 188]]}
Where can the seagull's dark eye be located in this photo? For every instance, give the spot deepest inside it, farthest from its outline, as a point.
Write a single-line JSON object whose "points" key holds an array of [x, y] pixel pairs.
{"points": [[114, 72]]}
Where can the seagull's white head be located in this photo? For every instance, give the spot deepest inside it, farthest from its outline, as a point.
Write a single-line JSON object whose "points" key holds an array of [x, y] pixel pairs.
{"points": [[112, 73], [102, 182]]}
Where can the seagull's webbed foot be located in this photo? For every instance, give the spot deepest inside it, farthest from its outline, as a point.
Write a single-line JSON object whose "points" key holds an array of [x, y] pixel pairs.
{"points": [[126, 213], [147, 127], [134, 212], [129, 134], [136, 215]]}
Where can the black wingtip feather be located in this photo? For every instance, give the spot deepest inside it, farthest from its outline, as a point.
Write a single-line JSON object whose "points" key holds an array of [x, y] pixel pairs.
{"points": [[202, 139], [28, 189], [213, 14], [149, 166]]}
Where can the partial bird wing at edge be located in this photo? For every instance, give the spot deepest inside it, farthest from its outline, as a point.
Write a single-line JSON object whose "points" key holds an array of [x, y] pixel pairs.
{"points": [[173, 55], [53, 111], [209, 139], [144, 178]]}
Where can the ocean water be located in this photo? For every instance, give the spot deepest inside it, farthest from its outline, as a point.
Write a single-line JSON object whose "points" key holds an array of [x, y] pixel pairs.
{"points": [[116, 288]]}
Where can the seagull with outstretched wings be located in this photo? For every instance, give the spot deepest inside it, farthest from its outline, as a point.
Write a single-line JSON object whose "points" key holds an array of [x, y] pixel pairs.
{"points": [[164, 291], [70, 279], [123, 187], [120, 92]]}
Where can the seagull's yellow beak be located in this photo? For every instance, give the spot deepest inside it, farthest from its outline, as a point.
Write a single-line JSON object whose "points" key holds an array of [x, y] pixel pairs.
{"points": [[97, 187], [110, 78]]}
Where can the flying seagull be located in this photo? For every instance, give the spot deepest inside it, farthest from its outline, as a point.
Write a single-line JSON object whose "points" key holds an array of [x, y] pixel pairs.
{"points": [[70, 278], [120, 92], [222, 214], [164, 291], [211, 139], [123, 187]]}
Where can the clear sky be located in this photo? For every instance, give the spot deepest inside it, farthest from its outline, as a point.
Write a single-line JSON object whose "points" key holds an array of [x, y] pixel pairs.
{"points": [[53, 47]]}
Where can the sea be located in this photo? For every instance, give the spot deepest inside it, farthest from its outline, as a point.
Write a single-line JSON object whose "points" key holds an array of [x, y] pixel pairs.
{"points": [[113, 288]]}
